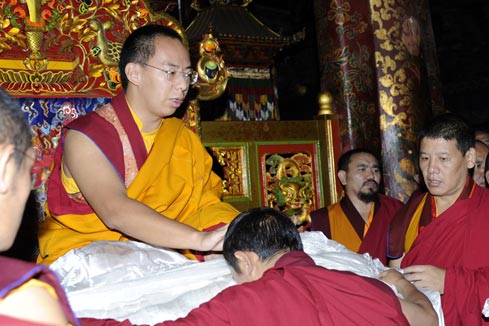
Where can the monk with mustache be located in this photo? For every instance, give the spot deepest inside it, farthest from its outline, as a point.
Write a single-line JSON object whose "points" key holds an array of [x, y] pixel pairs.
{"points": [[359, 220]]}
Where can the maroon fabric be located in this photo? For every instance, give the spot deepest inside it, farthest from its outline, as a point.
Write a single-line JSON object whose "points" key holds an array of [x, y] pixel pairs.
{"points": [[297, 292], [105, 322], [400, 223], [458, 241], [396, 235], [124, 114], [375, 241], [10, 321], [105, 136], [15, 272], [320, 221], [57, 198]]}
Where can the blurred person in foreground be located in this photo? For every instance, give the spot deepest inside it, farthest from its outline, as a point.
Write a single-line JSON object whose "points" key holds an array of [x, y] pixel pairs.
{"points": [[29, 294]]}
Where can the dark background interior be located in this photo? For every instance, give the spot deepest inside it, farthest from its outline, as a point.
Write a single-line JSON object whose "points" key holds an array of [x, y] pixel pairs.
{"points": [[461, 30]]}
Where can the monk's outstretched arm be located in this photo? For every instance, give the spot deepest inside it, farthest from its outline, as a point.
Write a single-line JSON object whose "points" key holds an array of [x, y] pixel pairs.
{"points": [[107, 195], [415, 305]]}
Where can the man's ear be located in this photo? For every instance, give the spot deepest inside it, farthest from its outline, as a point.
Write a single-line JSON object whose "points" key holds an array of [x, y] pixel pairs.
{"points": [[133, 73], [249, 263], [470, 158], [245, 262], [342, 177], [5, 155]]}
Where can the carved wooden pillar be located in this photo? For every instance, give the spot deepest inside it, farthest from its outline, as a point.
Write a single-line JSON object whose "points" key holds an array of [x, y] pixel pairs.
{"points": [[346, 60], [383, 77], [403, 88]]}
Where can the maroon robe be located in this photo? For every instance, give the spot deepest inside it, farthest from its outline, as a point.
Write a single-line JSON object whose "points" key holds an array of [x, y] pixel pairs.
{"points": [[375, 241], [298, 292], [104, 135], [11, 321], [15, 272], [457, 240]]}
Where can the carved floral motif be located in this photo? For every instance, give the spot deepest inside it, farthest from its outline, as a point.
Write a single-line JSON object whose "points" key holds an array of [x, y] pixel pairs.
{"points": [[72, 49]]}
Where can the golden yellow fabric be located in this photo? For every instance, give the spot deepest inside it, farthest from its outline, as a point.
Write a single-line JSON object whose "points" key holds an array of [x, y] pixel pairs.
{"points": [[68, 183], [369, 220], [31, 283], [59, 234], [341, 229], [183, 175], [148, 138], [176, 180], [413, 228]]}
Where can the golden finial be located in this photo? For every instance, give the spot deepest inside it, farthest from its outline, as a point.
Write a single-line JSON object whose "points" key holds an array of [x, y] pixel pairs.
{"points": [[34, 30], [325, 100], [213, 74]]}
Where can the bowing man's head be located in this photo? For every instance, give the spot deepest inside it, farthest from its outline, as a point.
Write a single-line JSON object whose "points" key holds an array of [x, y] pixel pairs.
{"points": [[256, 239]]}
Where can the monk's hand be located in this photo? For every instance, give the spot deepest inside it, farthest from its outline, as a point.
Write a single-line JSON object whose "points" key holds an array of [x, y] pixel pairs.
{"points": [[426, 277], [390, 276], [213, 240]]}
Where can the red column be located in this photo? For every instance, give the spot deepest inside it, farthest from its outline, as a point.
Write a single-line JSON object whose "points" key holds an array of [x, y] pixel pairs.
{"points": [[346, 60], [378, 60]]}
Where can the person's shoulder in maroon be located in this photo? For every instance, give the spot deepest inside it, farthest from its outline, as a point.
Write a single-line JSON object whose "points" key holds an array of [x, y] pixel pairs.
{"points": [[360, 219], [18, 276], [278, 284]]}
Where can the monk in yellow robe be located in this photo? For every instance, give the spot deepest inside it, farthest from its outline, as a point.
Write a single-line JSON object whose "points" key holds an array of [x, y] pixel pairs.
{"points": [[128, 171]]}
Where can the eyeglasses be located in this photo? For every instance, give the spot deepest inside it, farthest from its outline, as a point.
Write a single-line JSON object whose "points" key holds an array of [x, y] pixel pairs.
{"points": [[190, 77]]}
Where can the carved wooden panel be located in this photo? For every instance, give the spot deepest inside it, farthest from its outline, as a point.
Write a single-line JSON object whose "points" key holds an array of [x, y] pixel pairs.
{"points": [[68, 48], [289, 178], [287, 165], [233, 161]]}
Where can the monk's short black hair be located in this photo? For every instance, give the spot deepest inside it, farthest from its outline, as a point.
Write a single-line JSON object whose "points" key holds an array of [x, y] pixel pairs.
{"points": [[264, 231], [345, 158], [139, 46], [450, 126]]}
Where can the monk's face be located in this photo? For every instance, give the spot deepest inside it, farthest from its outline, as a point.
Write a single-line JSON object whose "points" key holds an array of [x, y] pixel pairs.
{"points": [[444, 167], [362, 178], [481, 151], [158, 87], [483, 136], [487, 176]]}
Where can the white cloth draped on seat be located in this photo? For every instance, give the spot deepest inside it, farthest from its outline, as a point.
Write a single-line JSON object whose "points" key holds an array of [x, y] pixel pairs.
{"points": [[147, 285]]}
